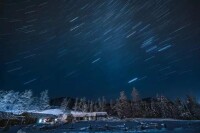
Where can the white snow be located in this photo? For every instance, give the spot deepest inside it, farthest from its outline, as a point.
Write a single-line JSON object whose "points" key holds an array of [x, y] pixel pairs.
{"points": [[52, 112]]}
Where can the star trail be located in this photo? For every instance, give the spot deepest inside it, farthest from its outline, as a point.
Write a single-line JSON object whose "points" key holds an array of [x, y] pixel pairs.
{"points": [[97, 48]]}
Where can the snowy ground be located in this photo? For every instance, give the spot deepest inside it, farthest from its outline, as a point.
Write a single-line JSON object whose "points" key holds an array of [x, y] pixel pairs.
{"points": [[51, 111], [110, 125], [133, 126]]}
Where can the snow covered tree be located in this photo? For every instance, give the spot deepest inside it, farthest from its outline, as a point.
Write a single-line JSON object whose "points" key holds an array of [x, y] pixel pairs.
{"points": [[19, 103], [96, 109], [135, 95], [10, 101], [85, 107], [164, 107], [65, 104], [102, 104], [178, 108], [123, 106], [145, 110], [91, 108], [193, 107], [76, 104], [111, 109], [136, 103], [44, 100], [35, 104], [82, 104], [15, 102], [7, 101], [154, 110], [2, 104], [26, 99], [99, 104]]}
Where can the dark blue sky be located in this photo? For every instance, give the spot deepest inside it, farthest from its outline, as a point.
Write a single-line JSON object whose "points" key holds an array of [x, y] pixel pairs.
{"points": [[97, 48]]}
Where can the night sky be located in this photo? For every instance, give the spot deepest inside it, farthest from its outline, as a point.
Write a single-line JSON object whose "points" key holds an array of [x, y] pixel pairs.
{"points": [[98, 48]]}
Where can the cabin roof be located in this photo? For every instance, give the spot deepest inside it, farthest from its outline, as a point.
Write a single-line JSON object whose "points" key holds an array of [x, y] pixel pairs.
{"points": [[83, 114]]}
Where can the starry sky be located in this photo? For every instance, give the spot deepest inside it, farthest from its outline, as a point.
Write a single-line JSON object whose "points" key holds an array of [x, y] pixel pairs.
{"points": [[98, 48]]}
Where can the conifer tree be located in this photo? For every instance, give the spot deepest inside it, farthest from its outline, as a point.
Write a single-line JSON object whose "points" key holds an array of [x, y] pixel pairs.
{"points": [[44, 100], [123, 106]]}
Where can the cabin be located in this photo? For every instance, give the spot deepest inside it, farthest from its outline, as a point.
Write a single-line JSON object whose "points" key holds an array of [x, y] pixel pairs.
{"points": [[73, 116], [89, 116], [69, 117]]}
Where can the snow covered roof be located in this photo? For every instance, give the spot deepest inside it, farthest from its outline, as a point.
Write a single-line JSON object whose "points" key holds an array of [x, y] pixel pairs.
{"points": [[83, 114], [52, 112], [101, 113], [58, 112]]}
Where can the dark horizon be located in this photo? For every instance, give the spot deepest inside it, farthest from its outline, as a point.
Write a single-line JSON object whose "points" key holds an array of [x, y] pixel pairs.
{"points": [[99, 48]]}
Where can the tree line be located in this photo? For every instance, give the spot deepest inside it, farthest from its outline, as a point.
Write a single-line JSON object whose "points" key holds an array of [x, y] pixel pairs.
{"points": [[19, 102], [136, 107], [122, 107]]}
